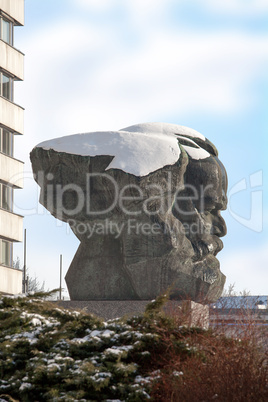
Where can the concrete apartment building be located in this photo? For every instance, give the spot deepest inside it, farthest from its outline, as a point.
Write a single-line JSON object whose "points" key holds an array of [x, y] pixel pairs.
{"points": [[11, 124]]}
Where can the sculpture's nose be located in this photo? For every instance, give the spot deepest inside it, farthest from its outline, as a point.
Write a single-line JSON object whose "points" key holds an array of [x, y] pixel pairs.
{"points": [[218, 224]]}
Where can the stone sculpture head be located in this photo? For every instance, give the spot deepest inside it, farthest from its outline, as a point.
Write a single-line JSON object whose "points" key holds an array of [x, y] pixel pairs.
{"points": [[145, 203]]}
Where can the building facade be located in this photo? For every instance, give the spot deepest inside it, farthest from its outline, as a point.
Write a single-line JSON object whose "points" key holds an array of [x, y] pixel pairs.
{"points": [[238, 315], [11, 124]]}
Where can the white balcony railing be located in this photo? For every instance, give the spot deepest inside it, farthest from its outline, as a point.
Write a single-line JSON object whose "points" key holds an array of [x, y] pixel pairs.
{"points": [[14, 8], [10, 280], [11, 171], [11, 225], [11, 115], [11, 60]]}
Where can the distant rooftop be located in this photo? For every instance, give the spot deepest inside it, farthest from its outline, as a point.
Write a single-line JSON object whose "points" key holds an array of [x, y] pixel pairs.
{"points": [[232, 302]]}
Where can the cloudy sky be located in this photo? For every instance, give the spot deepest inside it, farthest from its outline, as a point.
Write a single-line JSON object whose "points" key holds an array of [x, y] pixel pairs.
{"points": [[106, 64]]}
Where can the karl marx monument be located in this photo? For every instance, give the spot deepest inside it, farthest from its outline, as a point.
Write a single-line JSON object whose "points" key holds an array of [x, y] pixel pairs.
{"points": [[145, 203]]}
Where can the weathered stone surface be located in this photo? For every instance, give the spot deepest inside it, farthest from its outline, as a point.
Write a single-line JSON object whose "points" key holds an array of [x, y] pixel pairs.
{"points": [[162, 230]]}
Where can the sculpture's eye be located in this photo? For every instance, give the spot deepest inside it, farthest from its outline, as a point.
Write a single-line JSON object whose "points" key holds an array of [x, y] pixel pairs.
{"points": [[209, 204]]}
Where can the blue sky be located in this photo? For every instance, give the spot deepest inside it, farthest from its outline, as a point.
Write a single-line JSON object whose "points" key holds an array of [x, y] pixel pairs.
{"points": [[103, 65]]}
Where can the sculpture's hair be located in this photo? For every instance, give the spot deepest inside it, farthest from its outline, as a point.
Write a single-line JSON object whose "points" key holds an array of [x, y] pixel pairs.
{"points": [[186, 136], [196, 142]]}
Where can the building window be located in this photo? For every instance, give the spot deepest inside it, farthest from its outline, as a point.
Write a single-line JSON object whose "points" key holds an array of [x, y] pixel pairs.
{"points": [[6, 197], [6, 142], [6, 30], [6, 86], [6, 252]]}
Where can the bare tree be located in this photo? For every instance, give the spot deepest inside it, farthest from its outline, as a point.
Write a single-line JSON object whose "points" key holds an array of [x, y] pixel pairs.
{"points": [[33, 285]]}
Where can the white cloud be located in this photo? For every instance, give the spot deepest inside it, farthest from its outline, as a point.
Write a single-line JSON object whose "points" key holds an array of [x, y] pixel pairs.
{"points": [[140, 9], [186, 71], [236, 7], [99, 5], [137, 7], [166, 74], [145, 13], [247, 268]]}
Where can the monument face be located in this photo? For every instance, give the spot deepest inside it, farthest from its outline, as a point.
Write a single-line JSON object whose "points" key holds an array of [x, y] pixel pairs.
{"points": [[145, 203]]}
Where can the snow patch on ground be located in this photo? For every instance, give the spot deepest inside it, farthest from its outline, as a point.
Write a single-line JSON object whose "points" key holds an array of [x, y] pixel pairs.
{"points": [[25, 385]]}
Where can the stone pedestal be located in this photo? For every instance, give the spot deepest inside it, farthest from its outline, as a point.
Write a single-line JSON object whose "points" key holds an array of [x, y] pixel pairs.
{"points": [[187, 312], [193, 314]]}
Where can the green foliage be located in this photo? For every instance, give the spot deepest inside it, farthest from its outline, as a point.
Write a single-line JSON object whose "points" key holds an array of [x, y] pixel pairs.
{"points": [[51, 354], [155, 306], [10, 320]]}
